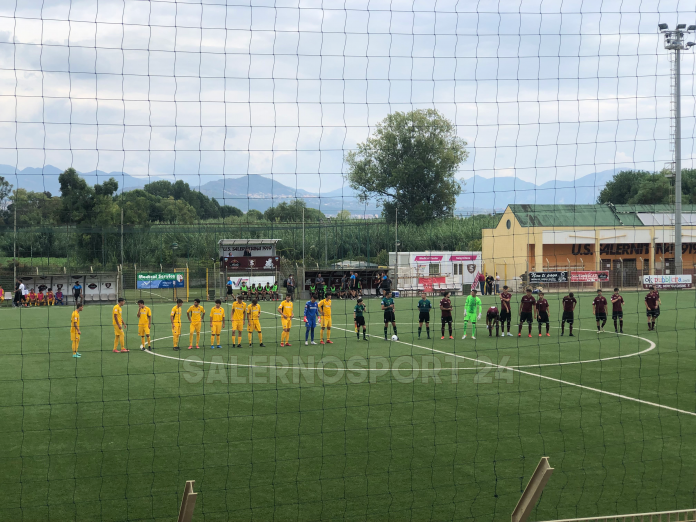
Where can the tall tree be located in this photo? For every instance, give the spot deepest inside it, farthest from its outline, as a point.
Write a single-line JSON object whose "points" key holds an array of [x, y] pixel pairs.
{"points": [[293, 212], [409, 164], [623, 188]]}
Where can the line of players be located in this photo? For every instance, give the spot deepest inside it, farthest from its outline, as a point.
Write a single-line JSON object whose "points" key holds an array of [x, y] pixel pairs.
{"points": [[531, 308]]}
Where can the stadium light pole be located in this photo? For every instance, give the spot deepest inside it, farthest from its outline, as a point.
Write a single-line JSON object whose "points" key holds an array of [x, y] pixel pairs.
{"points": [[674, 41]]}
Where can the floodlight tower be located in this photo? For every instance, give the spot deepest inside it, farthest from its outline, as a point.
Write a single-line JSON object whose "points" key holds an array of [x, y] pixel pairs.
{"points": [[675, 41]]}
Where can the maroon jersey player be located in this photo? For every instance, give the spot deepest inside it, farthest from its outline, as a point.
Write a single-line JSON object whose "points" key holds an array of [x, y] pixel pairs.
{"points": [[617, 310], [599, 309], [527, 304], [542, 313], [505, 310], [652, 307], [493, 319], [569, 303]]}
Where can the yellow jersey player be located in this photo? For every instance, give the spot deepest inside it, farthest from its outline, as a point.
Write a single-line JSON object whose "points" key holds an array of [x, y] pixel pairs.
{"points": [[144, 324], [325, 309], [195, 315], [238, 311], [75, 332], [252, 312], [175, 316], [286, 313], [119, 326], [217, 324]]}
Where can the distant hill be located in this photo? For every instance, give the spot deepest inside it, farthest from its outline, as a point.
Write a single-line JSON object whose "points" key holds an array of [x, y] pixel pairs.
{"points": [[480, 195]]}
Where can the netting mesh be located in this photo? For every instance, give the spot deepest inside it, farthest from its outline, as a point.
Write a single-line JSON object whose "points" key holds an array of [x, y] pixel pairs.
{"points": [[509, 169]]}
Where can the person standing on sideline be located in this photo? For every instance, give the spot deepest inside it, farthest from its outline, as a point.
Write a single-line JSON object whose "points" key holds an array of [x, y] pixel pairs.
{"points": [[19, 288], [527, 304], [229, 286], [497, 283], [75, 332], [176, 323], [542, 313], [311, 313], [424, 308], [472, 311], [77, 291], [599, 309], [290, 285], [617, 310], [446, 315], [505, 310]]}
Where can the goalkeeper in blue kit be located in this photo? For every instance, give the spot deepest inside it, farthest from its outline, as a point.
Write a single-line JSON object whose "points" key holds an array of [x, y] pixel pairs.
{"points": [[472, 311]]}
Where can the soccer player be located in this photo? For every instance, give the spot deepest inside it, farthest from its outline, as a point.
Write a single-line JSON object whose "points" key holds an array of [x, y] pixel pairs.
{"points": [[59, 297], [652, 307], [526, 316], [493, 319], [446, 315], [238, 312], [424, 307], [472, 310], [40, 298], [389, 316], [252, 316], [75, 332], [175, 317], [32, 298], [245, 291], [617, 310], [50, 298], [359, 319], [119, 326], [217, 324], [542, 313], [505, 310], [569, 303], [144, 324], [195, 315], [286, 312], [599, 309], [311, 312], [253, 292], [325, 308]]}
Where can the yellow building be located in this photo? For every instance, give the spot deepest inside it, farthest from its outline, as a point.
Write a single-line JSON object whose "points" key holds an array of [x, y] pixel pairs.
{"points": [[626, 240]]}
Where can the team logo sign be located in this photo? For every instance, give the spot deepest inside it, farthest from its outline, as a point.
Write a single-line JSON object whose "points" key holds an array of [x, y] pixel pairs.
{"points": [[471, 268], [107, 285]]}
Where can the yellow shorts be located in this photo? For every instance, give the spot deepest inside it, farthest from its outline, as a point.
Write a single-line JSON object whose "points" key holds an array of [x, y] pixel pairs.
{"points": [[254, 324], [74, 336], [237, 325], [176, 329], [287, 323], [216, 328], [143, 330], [117, 331], [326, 321], [195, 327]]}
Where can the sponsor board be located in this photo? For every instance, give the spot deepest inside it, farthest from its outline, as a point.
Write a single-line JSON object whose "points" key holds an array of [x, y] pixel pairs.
{"points": [[427, 259], [149, 280], [252, 263], [247, 251], [589, 276], [548, 277], [668, 281], [471, 257]]}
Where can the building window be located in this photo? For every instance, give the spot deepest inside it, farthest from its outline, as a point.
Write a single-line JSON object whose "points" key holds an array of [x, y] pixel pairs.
{"points": [[434, 269], [508, 224]]}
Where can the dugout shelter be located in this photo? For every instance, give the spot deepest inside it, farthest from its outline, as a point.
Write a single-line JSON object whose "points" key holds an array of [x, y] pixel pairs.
{"points": [[246, 260]]}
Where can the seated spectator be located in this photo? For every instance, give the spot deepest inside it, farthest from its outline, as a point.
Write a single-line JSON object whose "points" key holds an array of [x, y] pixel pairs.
{"points": [[40, 298], [59, 298], [2, 294], [31, 298], [50, 298]]}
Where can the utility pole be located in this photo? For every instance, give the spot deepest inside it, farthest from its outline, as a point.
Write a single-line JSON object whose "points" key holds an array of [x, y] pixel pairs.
{"points": [[674, 41]]}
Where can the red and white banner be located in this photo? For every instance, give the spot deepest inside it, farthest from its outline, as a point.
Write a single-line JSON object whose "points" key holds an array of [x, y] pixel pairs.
{"points": [[252, 263], [428, 258], [428, 282], [589, 276], [471, 257]]}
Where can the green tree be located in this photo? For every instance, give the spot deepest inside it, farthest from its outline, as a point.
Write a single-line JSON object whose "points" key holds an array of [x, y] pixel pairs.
{"points": [[33, 208], [653, 189], [292, 212], [623, 188], [178, 212], [254, 214], [409, 164], [230, 211], [343, 215]]}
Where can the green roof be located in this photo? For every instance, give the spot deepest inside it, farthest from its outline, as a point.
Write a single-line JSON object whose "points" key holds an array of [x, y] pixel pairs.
{"points": [[588, 215]]}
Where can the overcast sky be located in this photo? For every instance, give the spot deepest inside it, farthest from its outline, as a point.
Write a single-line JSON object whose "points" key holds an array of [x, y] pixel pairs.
{"points": [[541, 90]]}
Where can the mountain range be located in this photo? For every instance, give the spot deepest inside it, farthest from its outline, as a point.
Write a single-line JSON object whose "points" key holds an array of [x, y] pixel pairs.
{"points": [[479, 195]]}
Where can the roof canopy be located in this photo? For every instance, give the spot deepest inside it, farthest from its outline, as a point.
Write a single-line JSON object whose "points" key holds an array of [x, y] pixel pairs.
{"points": [[595, 215]]}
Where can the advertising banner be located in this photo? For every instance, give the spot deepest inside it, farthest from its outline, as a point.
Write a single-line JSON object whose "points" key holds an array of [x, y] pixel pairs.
{"points": [[548, 277], [589, 276], [667, 281], [151, 280], [428, 259], [428, 282], [252, 263], [471, 257]]}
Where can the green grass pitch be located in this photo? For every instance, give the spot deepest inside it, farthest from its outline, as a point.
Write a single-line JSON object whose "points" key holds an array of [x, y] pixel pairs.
{"points": [[115, 436]]}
